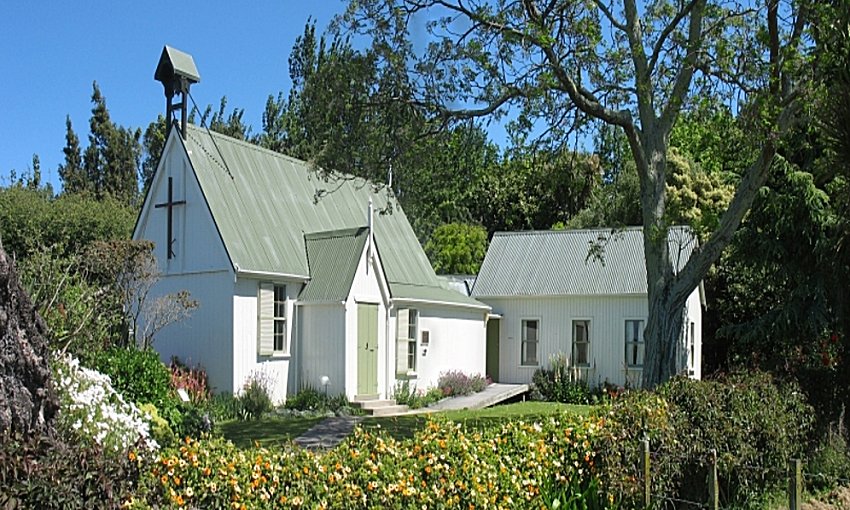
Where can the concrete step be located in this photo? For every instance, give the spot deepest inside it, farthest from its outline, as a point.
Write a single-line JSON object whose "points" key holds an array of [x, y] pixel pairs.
{"points": [[388, 410], [379, 407]]}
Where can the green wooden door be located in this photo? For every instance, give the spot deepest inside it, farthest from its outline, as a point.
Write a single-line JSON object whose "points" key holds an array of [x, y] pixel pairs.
{"points": [[367, 349], [493, 349]]}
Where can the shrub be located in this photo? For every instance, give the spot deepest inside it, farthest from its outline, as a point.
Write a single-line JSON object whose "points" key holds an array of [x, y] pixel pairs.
{"points": [[308, 399], [406, 394], [559, 383], [160, 430], [224, 406], [254, 400], [191, 379], [755, 423], [47, 473], [456, 383], [142, 378], [830, 462], [92, 411], [515, 465]]}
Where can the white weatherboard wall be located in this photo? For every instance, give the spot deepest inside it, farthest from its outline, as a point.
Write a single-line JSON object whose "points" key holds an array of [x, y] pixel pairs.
{"points": [[321, 344], [204, 338], [607, 316], [457, 342], [200, 266], [278, 370], [694, 315], [366, 288]]}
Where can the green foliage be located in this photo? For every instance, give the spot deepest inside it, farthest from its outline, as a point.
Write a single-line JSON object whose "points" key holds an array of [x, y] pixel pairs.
{"points": [[142, 378], [254, 400], [31, 220], [49, 473], [109, 163], [559, 383], [695, 197], [756, 424], [223, 407], [829, 465], [406, 394], [313, 400], [229, 124], [457, 248], [153, 143], [161, 431]]}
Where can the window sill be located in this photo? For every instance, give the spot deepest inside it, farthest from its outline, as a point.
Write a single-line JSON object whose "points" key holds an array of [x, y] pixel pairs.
{"points": [[530, 366], [408, 376], [279, 356]]}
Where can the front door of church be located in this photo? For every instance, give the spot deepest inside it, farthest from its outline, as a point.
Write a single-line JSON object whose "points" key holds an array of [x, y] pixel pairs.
{"points": [[367, 350]]}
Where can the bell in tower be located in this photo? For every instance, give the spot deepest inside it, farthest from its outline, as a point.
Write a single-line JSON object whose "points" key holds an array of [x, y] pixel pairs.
{"points": [[176, 71]]}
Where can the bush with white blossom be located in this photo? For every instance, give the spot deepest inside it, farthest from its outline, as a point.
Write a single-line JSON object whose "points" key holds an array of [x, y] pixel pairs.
{"points": [[91, 409]]}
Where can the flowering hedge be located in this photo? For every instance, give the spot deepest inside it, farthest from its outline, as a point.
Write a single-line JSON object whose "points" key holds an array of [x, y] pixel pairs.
{"points": [[518, 465], [90, 409]]}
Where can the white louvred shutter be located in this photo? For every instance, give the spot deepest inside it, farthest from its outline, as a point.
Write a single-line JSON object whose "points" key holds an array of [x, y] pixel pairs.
{"points": [[401, 356], [265, 327], [403, 323], [401, 341]]}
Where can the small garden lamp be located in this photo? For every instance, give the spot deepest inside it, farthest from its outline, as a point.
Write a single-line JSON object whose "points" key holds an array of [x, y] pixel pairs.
{"points": [[326, 381]]}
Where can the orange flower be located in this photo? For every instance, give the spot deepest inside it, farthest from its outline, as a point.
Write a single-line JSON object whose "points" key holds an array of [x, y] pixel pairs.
{"points": [[131, 456]]}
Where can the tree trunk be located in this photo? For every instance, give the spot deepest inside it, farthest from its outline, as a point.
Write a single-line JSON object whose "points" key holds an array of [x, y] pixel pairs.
{"points": [[664, 330], [664, 322]]}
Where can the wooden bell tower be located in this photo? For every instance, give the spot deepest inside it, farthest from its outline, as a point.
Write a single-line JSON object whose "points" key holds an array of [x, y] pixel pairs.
{"points": [[177, 72]]}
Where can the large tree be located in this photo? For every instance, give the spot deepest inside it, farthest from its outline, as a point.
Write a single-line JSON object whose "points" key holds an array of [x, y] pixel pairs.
{"points": [[629, 65]]}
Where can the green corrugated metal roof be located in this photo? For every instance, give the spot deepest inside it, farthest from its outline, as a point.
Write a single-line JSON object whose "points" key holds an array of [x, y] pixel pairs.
{"points": [[558, 262], [264, 202], [333, 258]]}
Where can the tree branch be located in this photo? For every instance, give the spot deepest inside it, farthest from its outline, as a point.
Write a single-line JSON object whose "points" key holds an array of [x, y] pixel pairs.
{"points": [[686, 70], [704, 256], [662, 38], [609, 15], [643, 81]]}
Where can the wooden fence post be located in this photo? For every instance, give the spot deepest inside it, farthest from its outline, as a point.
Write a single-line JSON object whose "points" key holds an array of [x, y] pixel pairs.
{"points": [[644, 467], [795, 484], [713, 484]]}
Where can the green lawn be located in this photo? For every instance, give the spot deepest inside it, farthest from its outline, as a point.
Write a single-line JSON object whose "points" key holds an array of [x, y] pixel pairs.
{"points": [[267, 431], [275, 430], [405, 426]]}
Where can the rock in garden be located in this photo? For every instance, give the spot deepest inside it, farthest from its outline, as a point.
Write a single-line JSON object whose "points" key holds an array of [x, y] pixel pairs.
{"points": [[27, 404]]}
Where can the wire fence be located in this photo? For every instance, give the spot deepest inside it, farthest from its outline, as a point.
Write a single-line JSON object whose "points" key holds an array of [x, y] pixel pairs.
{"points": [[793, 473]]}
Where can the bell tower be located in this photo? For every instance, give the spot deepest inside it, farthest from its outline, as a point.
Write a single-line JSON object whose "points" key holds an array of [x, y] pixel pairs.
{"points": [[177, 72]]}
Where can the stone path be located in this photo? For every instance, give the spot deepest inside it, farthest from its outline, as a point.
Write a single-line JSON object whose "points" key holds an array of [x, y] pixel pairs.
{"points": [[331, 431], [328, 432]]}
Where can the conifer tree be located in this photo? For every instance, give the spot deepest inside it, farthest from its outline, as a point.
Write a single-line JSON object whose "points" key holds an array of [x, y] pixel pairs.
{"points": [[71, 172]]}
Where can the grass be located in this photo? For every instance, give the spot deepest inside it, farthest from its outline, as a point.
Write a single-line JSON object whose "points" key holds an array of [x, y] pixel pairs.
{"points": [[267, 431], [401, 427], [271, 431]]}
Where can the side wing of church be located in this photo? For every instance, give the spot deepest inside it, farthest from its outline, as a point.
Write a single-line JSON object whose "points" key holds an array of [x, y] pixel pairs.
{"points": [[295, 289]]}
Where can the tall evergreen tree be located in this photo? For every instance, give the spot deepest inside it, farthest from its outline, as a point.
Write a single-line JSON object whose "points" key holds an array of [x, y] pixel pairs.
{"points": [[71, 172], [111, 160]]}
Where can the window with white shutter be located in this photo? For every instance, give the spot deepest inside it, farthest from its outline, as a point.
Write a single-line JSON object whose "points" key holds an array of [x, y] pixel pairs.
{"points": [[406, 340], [271, 328]]}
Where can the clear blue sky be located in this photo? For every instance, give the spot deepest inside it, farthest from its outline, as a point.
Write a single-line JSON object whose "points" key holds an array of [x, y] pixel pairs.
{"points": [[53, 51]]}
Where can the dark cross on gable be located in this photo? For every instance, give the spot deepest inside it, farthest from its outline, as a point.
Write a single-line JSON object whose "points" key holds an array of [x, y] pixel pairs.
{"points": [[169, 206]]}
